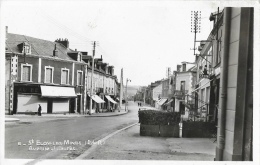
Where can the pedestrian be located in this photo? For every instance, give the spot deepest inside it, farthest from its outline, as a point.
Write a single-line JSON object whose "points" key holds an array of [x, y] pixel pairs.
{"points": [[39, 110]]}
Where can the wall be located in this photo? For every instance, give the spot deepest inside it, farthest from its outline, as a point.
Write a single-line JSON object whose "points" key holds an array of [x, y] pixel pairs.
{"points": [[157, 91], [57, 70], [237, 86], [7, 85], [30, 60]]}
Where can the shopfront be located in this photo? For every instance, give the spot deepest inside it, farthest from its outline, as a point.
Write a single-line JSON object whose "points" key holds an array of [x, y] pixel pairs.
{"points": [[53, 99]]}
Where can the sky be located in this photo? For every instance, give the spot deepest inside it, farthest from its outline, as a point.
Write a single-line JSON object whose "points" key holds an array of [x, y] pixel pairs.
{"points": [[142, 37]]}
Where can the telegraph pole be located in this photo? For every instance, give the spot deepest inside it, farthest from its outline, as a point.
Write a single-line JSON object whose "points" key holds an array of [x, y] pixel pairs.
{"points": [[92, 71], [126, 92], [121, 90]]}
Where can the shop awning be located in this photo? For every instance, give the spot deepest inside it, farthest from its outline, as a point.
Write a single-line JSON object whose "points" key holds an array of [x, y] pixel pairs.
{"points": [[110, 99], [58, 92], [169, 101], [97, 99], [162, 101]]}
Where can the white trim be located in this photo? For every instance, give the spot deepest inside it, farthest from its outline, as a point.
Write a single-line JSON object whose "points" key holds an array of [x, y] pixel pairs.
{"points": [[73, 67], [63, 69], [39, 70], [80, 71], [31, 66], [52, 70]]}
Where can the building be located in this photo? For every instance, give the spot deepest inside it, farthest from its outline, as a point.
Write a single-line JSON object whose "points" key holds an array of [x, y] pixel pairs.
{"points": [[235, 121], [50, 74], [185, 84]]}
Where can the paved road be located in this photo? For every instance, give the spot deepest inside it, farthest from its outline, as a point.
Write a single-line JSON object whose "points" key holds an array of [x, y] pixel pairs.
{"points": [[58, 133]]}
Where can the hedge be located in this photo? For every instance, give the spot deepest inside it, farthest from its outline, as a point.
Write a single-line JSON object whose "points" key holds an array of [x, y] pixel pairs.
{"points": [[152, 117], [198, 129]]}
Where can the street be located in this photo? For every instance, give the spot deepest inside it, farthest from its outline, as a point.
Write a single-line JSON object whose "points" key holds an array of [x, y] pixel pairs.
{"points": [[73, 135]]}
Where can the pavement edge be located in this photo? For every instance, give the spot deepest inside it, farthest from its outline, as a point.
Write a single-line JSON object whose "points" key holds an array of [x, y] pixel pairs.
{"points": [[93, 147]]}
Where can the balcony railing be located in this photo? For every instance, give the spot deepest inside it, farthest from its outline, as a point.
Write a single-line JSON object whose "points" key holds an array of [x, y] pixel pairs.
{"points": [[180, 94]]}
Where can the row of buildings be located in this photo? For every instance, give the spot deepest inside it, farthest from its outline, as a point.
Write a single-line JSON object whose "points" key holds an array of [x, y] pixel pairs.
{"points": [[217, 86], [56, 77]]}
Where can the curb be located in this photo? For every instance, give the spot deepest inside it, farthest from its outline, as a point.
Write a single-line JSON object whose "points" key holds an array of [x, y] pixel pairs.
{"points": [[93, 147], [11, 119], [119, 114]]}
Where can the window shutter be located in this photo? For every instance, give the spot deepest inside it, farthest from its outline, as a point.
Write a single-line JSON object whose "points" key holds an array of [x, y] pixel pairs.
{"points": [[26, 73], [48, 75]]}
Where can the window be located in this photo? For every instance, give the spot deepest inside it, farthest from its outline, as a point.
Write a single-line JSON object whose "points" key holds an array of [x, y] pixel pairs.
{"points": [[80, 78], [65, 76], [48, 74], [182, 85], [26, 72]]}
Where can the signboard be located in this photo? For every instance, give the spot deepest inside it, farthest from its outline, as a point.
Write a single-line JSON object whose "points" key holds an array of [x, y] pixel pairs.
{"points": [[29, 89], [203, 76]]}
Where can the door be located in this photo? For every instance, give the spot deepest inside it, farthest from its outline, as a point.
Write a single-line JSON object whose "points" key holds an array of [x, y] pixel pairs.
{"points": [[72, 105], [78, 103], [182, 108], [49, 106]]}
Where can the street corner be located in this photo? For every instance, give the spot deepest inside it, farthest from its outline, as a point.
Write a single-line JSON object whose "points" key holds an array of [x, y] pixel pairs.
{"points": [[10, 120]]}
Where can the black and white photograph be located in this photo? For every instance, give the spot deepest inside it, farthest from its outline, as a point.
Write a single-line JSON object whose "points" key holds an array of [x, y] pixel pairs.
{"points": [[123, 82]]}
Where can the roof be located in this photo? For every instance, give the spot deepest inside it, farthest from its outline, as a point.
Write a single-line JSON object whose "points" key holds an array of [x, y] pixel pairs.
{"points": [[38, 46]]}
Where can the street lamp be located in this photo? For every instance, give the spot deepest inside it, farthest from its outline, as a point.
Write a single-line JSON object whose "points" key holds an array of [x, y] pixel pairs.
{"points": [[126, 92]]}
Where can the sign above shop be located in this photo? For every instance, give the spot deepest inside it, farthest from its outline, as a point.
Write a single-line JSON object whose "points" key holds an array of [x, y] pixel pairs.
{"points": [[29, 89], [203, 76]]}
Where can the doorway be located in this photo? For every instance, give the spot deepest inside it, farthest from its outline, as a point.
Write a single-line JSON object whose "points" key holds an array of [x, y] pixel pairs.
{"points": [[49, 105], [72, 105], [78, 103]]}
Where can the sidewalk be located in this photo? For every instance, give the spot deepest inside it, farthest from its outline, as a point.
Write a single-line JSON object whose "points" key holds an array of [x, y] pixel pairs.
{"points": [[129, 145], [48, 117]]}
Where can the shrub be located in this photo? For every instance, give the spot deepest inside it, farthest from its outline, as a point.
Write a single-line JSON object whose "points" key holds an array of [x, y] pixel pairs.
{"points": [[152, 117], [198, 129]]}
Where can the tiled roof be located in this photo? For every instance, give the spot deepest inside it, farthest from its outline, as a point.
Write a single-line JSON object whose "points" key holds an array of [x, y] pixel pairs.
{"points": [[38, 46]]}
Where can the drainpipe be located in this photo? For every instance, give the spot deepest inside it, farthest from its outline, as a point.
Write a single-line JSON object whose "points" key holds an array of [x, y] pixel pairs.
{"points": [[224, 78]]}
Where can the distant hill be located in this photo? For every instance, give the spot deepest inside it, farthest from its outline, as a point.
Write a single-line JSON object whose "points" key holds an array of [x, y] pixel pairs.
{"points": [[131, 90]]}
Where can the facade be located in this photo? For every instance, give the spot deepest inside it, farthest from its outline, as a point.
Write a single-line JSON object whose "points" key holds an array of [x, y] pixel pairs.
{"points": [[165, 93], [156, 95], [185, 84], [50, 74], [235, 115]]}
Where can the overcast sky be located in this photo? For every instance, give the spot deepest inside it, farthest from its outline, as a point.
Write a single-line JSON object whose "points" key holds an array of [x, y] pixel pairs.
{"points": [[143, 38]]}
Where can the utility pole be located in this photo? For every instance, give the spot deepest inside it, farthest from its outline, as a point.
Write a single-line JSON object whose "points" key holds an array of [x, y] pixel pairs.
{"points": [[121, 90], [126, 93], [92, 71], [144, 95]]}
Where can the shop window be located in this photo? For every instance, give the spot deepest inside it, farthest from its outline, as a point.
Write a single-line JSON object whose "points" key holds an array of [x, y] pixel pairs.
{"points": [[49, 74], [64, 76], [26, 72], [79, 78]]}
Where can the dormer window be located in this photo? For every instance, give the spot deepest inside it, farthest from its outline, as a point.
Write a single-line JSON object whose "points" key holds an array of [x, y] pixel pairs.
{"points": [[24, 48], [27, 49]]}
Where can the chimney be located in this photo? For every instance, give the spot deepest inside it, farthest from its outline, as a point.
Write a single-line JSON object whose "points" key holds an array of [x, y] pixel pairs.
{"points": [[6, 29], [64, 42], [184, 67], [178, 68], [55, 52]]}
